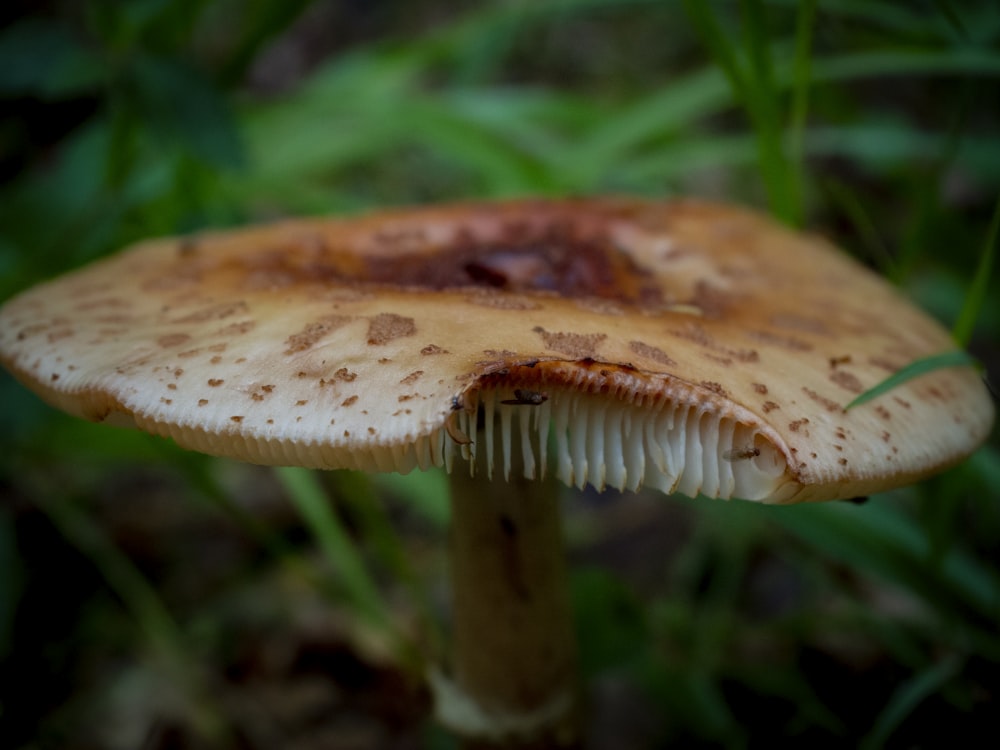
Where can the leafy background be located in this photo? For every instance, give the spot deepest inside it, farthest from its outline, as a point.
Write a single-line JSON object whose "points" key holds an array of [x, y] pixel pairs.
{"points": [[153, 598]]}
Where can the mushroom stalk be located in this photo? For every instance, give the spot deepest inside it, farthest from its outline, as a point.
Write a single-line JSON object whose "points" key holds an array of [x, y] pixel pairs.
{"points": [[514, 680]]}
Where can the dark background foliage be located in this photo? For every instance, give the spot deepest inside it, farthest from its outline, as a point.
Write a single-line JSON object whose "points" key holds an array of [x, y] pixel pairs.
{"points": [[153, 598]]}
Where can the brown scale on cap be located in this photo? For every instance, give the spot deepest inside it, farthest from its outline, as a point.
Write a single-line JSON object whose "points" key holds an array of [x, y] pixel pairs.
{"points": [[650, 329]]}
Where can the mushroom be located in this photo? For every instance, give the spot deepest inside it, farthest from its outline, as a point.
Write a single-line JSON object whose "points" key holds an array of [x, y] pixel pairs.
{"points": [[683, 346]]}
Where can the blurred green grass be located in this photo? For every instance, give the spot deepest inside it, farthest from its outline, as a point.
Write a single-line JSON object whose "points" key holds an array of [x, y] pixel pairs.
{"points": [[708, 623]]}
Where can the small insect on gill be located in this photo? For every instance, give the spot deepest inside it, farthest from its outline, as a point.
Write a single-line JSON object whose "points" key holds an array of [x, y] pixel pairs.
{"points": [[463, 402], [523, 397], [741, 454]]}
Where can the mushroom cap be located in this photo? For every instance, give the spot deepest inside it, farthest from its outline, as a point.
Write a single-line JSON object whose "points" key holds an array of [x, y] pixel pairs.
{"points": [[689, 346]]}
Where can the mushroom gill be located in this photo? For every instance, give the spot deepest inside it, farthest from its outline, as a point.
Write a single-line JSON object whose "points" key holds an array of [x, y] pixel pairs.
{"points": [[668, 444]]}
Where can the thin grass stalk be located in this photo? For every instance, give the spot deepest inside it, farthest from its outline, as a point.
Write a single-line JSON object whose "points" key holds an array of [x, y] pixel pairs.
{"points": [[761, 103], [357, 491], [142, 602], [908, 697], [975, 297], [755, 88], [799, 110], [335, 543], [863, 224]]}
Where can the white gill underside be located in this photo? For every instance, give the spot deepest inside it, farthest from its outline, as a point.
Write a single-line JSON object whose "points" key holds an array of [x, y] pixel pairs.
{"points": [[584, 438], [589, 439]]}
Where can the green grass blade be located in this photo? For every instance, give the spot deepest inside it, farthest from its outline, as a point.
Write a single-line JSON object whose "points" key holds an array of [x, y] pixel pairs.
{"points": [[886, 146], [257, 23], [311, 502], [501, 166], [800, 100], [943, 62], [881, 541], [120, 573], [975, 297], [359, 493], [197, 473], [862, 221], [908, 697], [712, 35], [611, 138], [755, 87], [762, 104], [953, 17], [427, 492], [143, 603], [914, 370], [883, 145]]}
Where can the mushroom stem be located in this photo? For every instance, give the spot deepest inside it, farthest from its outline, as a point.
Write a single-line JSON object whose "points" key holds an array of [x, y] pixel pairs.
{"points": [[514, 658]]}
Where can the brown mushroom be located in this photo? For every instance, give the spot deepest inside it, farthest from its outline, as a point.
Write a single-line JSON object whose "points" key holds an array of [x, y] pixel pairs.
{"points": [[683, 346]]}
